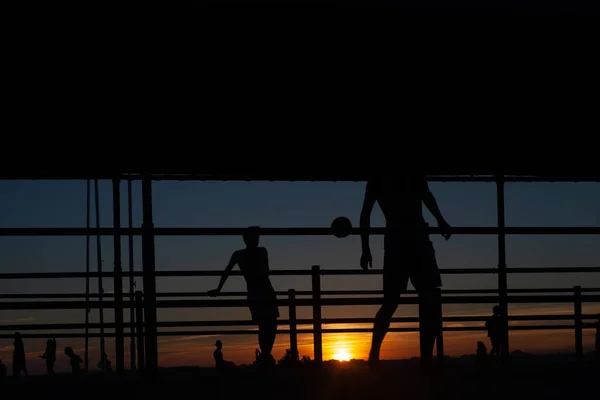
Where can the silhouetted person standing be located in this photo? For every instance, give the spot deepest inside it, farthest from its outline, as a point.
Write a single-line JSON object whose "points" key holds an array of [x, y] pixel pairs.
{"points": [[74, 360], [408, 252], [598, 336], [493, 325], [19, 363], [253, 262], [50, 355], [2, 372], [481, 353], [218, 355]]}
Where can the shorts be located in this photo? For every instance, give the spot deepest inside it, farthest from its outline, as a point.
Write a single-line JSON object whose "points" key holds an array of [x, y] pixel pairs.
{"points": [[263, 306], [409, 257]]}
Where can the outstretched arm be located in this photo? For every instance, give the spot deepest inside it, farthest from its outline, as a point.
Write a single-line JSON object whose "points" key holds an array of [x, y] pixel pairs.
{"points": [[225, 275], [365, 224], [431, 204]]}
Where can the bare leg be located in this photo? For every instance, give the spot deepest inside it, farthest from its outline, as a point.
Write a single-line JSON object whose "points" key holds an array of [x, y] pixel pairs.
{"points": [[428, 324], [267, 331], [383, 318]]}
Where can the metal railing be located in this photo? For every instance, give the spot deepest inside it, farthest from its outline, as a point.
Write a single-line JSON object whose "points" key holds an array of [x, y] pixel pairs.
{"points": [[146, 318], [317, 298]]}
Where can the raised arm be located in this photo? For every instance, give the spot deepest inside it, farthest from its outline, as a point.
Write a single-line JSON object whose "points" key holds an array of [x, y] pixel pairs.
{"points": [[232, 262], [431, 204], [365, 224]]}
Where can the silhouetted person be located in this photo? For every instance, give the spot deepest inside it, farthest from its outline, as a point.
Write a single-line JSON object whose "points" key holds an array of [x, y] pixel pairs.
{"points": [[253, 262], [493, 325], [218, 355], [481, 353], [408, 252], [2, 372], [50, 355], [598, 336], [19, 363], [75, 361]]}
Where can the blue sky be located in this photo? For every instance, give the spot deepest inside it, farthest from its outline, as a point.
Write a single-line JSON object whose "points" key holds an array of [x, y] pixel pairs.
{"points": [[289, 204]]}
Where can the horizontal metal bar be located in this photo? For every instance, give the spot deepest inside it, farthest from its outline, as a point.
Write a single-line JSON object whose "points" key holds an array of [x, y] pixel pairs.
{"points": [[308, 177], [285, 293], [74, 305], [589, 230], [285, 322], [290, 272], [286, 331]]}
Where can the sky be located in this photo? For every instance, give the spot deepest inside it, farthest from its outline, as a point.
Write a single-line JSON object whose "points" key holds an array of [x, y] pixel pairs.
{"points": [[294, 204]]}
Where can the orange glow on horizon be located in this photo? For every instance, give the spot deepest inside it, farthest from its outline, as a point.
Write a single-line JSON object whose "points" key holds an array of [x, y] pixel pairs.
{"points": [[342, 355]]}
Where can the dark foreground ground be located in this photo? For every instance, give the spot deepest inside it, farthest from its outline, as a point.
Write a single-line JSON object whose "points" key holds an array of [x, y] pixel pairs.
{"points": [[396, 380]]}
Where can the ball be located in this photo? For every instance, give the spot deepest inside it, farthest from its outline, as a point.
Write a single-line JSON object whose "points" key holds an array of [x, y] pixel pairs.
{"points": [[341, 227]]}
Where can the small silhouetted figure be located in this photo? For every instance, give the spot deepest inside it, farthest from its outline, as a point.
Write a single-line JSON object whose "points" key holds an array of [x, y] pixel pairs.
{"points": [[493, 325], [19, 363], [218, 355], [107, 367], [2, 372], [598, 336], [408, 253], [50, 355], [481, 353], [75, 361], [253, 262]]}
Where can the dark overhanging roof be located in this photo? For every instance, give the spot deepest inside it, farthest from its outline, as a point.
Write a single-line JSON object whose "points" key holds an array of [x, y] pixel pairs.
{"points": [[322, 175]]}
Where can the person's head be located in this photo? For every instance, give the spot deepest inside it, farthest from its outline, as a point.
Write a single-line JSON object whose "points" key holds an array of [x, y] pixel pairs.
{"points": [[69, 351], [496, 310], [17, 336], [219, 344], [251, 236]]}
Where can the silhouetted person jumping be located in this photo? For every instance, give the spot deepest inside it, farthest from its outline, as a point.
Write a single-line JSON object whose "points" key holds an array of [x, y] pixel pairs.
{"points": [[253, 262], [19, 363], [75, 361], [493, 325], [50, 355], [408, 252]]}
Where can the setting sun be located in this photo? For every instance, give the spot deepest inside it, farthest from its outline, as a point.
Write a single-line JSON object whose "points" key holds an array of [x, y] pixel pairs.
{"points": [[342, 355]]}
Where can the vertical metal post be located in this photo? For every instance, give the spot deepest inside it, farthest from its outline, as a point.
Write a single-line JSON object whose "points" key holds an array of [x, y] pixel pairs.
{"points": [[317, 330], [100, 287], [502, 274], [578, 324], [140, 330], [149, 268], [86, 356], [118, 279], [131, 278], [293, 324], [439, 340]]}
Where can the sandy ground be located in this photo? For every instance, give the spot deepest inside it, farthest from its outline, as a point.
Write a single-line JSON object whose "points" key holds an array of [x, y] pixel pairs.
{"points": [[454, 379]]}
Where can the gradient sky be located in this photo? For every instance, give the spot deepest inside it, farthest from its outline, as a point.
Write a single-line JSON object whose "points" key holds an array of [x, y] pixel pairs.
{"points": [[294, 204]]}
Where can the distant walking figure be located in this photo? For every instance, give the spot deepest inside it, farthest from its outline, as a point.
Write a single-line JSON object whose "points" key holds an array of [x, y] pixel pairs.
{"points": [[50, 355], [253, 262], [19, 363], [493, 325], [75, 361], [408, 252]]}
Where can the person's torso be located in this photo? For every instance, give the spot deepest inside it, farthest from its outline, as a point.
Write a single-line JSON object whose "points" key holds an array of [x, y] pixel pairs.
{"points": [[400, 200], [254, 265]]}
